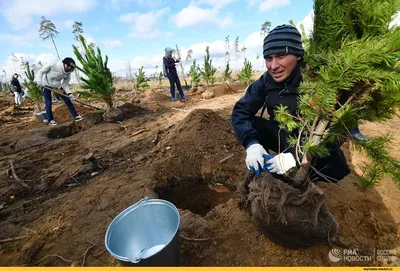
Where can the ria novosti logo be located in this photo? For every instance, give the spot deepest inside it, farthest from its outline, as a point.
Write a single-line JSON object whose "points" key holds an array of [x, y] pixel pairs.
{"points": [[355, 255], [335, 255]]}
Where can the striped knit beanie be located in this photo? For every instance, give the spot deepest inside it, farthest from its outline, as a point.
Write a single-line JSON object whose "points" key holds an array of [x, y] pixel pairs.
{"points": [[283, 39]]}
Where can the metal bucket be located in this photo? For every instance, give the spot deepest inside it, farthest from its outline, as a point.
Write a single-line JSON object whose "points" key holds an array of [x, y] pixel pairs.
{"points": [[145, 234], [41, 116]]}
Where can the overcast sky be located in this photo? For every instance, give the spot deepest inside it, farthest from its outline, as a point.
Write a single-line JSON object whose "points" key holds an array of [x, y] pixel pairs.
{"points": [[137, 31]]}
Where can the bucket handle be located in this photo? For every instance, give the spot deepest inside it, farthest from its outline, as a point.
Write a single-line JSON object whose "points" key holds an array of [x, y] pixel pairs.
{"points": [[138, 258], [142, 201]]}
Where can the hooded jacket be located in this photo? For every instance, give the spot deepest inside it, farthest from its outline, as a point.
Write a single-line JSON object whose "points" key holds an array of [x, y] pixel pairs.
{"points": [[54, 76]]}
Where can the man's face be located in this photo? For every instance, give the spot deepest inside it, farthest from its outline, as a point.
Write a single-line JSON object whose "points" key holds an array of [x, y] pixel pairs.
{"points": [[68, 68], [281, 66]]}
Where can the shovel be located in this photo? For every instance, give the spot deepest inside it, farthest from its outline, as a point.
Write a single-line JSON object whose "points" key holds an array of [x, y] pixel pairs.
{"points": [[183, 71], [62, 94]]}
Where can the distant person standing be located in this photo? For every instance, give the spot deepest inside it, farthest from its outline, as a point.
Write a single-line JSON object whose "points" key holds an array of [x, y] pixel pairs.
{"points": [[171, 73], [57, 76], [16, 89]]}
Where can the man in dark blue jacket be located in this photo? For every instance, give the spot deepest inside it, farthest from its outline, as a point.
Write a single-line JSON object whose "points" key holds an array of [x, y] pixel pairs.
{"points": [[283, 52], [172, 74]]}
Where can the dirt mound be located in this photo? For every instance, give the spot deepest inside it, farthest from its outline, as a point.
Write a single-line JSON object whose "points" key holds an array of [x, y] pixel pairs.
{"points": [[154, 97], [238, 86], [195, 147], [223, 90], [130, 110]]}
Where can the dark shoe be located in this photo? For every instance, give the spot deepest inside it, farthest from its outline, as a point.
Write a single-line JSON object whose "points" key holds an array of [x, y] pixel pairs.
{"points": [[357, 134]]}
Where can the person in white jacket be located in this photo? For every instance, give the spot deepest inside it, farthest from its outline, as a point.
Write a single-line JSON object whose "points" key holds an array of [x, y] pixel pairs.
{"points": [[57, 76]]}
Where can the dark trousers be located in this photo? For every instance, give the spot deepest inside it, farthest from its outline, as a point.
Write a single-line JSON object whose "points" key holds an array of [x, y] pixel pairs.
{"points": [[174, 79], [47, 100], [271, 138]]}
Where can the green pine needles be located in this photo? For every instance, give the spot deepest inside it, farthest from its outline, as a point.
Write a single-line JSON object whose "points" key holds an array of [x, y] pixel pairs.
{"points": [[34, 91], [98, 77], [208, 71], [195, 74], [245, 75], [351, 76], [159, 78], [141, 82], [227, 75]]}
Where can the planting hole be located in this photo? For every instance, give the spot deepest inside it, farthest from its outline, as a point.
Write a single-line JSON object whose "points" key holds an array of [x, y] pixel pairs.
{"points": [[197, 195]]}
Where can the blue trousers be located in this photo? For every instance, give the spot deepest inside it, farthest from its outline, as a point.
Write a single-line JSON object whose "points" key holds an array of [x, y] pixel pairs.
{"points": [[47, 100], [174, 79]]}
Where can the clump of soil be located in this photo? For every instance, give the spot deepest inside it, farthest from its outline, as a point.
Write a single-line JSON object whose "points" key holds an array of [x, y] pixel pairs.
{"points": [[113, 114], [221, 90], [238, 86], [154, 97], [130, 110]]}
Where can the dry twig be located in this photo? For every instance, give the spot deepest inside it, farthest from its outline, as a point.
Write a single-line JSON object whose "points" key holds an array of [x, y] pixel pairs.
{"points": [[86, 252], [14, 239], [139, 132], [199, 239], [226, 158], [21, 182]]}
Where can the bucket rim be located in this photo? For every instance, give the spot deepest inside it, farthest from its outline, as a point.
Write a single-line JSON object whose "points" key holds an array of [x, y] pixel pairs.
{"points": [[141, 203]]}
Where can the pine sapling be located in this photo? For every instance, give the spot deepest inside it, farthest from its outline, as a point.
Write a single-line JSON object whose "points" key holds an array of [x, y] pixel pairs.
{"points": [[34, 91], [99, 78], [140, 83], [245, 75], [227, 73], [208, 71], [194, 73], [160, 77]]}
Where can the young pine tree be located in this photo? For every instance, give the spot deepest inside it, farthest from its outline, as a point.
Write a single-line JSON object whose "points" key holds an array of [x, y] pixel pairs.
{"points": [[227, 73], [351, 77], [98, 76], [195, 74], [160, 77], [140, 83], [245, 75], [34, 91], [208, 71]]}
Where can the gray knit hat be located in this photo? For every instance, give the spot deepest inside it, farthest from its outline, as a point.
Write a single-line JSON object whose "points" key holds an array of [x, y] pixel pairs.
{"points": [[283, 39]]}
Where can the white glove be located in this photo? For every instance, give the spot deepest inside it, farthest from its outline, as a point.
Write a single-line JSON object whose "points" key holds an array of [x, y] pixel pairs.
{"points": [[71, 96], [255, 158], [281, 163]]}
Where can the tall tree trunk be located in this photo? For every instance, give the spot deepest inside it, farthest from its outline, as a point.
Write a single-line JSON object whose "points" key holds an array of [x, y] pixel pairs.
{"points": [[55, 47]]}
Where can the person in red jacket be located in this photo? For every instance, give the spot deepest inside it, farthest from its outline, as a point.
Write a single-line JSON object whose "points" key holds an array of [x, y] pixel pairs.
{"points": [[171, 73]]}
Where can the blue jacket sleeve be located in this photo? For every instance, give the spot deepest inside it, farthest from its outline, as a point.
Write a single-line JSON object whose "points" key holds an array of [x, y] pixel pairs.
{"points": [[244, 111]]}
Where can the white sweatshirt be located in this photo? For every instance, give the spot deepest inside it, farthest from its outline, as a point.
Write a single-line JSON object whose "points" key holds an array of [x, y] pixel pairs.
{"points": [[54, 76]]}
